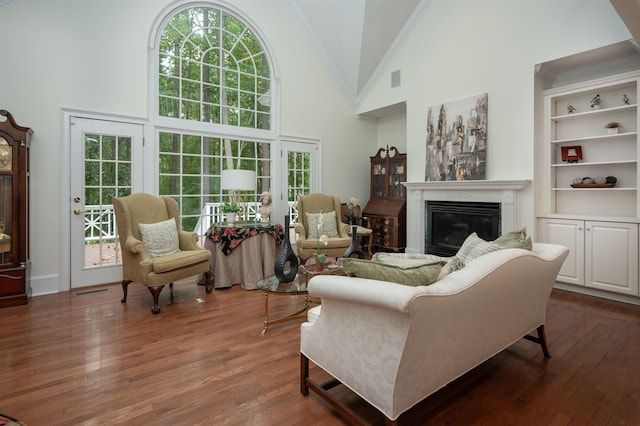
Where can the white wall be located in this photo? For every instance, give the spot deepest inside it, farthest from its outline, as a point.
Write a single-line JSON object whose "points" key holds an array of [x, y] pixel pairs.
{"points": [[461, 48], [92, 55]]}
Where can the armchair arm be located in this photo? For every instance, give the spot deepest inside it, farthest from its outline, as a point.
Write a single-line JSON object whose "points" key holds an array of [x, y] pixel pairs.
{"points": [[135, 246], [343, 230], [299, 229], [188, 240]]}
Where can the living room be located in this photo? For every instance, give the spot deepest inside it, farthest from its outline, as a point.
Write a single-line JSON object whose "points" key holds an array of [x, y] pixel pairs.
{"points": [[93, 58]]}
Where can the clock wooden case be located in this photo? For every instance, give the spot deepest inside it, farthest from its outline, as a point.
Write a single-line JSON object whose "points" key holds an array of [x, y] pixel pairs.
{"points": [[386, 208], [15, 287]]}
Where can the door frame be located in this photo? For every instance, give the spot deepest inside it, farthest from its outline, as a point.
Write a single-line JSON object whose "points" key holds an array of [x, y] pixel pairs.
{"points": [[64, 249]]}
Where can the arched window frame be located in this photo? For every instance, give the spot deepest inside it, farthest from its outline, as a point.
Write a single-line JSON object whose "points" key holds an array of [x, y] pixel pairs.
{"points": [[217, 131]]}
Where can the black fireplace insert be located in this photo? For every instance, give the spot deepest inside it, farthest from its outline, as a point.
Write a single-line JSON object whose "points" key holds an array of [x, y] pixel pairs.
{"points": [[449, 223]]}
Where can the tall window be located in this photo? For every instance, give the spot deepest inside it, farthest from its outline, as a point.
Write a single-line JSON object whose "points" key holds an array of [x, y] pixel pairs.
{"points": [[212, 68], [214, 84]]}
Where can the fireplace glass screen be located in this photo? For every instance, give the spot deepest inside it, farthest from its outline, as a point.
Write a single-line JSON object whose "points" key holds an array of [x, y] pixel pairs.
{"points": [[449, 223]]}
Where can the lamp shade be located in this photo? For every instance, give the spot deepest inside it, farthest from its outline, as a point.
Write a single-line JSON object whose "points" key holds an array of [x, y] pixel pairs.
{"points": [[239, 180]]}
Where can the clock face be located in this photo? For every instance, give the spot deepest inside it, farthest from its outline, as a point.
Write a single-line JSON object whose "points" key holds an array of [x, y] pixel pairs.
{"points": [[5, 157]]}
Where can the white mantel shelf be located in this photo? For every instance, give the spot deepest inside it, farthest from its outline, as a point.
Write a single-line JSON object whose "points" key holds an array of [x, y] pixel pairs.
{"points": [[467, 185]]}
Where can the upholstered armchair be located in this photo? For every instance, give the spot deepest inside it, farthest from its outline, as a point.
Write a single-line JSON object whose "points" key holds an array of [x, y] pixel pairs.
{"points": [[155, 251], [338, 240]]}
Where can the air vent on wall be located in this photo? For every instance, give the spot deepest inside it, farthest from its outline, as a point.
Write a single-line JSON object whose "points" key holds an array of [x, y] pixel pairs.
{"points": [[395, 78]]}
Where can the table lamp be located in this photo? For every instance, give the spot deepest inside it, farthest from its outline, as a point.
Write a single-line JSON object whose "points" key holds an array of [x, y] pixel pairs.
{"points": [[236, 180]]}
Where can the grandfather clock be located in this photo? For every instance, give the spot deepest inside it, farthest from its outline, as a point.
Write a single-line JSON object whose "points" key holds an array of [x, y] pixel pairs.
{"points": [[15, 288]]}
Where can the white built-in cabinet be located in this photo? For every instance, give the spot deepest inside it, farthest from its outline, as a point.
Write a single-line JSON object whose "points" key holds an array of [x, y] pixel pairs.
{"points": [[598, 224], [602, 255]]}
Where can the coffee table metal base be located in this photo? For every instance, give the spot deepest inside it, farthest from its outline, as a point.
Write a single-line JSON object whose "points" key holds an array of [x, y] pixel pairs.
{"points": [[271, 285]]}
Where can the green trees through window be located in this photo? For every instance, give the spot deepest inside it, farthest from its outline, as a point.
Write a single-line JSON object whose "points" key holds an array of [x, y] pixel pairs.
{"points": [[213, 69]]}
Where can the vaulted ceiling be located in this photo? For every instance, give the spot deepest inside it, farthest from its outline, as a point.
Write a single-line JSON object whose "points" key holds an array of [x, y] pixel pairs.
{"points": [[355, 36]]}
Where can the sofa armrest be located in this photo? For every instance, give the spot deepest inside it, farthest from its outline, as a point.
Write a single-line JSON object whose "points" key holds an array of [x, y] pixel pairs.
{"points": [[385, 294]]}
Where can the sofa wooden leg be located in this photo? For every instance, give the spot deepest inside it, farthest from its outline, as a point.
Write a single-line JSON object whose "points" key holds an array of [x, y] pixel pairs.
{"points": [[155, 292], [125, 286], [304, 374], [541, 340]]}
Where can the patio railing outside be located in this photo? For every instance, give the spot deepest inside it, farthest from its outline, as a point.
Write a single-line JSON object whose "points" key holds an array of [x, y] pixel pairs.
{"points": [[100, 221]]}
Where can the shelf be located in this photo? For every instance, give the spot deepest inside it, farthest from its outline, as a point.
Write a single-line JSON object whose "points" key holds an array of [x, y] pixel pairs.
{"points": [[594, 189], [593, 112], [595, 163], [593, 138]]}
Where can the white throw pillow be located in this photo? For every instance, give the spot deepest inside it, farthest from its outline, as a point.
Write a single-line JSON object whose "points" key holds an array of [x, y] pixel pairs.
{"points": [[161, 238], [330, 227]]}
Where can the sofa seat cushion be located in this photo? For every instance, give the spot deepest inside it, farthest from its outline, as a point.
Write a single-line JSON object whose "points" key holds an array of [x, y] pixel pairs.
{"points": [[413, 272], [179, 260]]}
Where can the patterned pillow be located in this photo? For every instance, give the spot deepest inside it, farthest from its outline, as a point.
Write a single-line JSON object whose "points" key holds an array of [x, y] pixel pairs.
{"points": [[410, 273], [329, 228], [161, 238], [474, 247]]}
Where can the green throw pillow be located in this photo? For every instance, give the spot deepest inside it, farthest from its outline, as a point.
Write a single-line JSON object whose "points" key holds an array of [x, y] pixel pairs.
{"points": [[515, 239], [411, 274]]}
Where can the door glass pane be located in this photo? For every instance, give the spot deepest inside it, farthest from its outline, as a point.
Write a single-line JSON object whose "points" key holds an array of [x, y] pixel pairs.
{"points": [[5, 219], [107, 169]]}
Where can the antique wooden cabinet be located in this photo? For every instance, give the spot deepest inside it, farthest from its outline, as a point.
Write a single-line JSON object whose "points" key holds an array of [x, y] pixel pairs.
{"points": [[14, 212], [386, 208]]}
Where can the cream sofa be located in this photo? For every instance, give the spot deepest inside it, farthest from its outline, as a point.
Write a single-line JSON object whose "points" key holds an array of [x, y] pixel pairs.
{"points": [[394, 345]]}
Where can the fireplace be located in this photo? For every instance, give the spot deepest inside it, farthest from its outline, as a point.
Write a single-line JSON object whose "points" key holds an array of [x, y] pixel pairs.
{"points": [[450, 222], [506, 193]]}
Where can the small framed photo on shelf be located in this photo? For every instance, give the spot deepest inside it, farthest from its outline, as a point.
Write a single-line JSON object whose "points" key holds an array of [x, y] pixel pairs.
{"points": [[571, 154]]}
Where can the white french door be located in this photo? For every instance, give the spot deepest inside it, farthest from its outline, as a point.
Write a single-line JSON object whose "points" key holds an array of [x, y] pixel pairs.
{"points": [[301, 176], [106, 161]]}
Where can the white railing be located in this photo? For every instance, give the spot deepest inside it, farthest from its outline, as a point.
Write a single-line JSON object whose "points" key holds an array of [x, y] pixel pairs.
{"points": [[212, 213], [100, 221]]}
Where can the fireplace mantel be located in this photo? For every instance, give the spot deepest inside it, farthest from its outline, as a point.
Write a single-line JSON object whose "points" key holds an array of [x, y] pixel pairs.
{"points": [[468, 185], [499, 191]]}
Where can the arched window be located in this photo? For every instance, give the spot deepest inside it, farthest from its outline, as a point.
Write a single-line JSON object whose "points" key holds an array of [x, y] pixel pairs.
{"points": [[212, 68], [213, 109]]}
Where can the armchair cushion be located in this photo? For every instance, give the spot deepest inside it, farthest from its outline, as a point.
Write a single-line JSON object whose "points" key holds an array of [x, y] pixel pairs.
{"points": [[329, 227], [161, 238], [411, 272], [179, 260]]}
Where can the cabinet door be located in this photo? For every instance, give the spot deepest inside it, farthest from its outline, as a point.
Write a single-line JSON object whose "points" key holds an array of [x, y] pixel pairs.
{"points": [[568, 233], [612, 256]]}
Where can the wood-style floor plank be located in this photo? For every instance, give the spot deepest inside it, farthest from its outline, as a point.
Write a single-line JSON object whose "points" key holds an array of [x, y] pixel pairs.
{"points": [[83, 358]]}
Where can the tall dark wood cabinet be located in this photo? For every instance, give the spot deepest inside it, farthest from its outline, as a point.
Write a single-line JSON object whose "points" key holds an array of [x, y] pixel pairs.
{"points": [[386, 208], [15, 287]]}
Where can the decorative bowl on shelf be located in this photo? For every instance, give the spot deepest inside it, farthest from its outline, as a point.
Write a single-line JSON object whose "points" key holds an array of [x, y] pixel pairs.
{"points": [[593, 185]]}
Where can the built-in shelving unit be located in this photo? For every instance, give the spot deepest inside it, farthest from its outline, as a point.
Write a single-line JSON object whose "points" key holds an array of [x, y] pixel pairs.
{"points": [[598, 224]]}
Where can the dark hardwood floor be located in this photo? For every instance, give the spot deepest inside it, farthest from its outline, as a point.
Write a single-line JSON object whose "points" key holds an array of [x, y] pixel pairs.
{"points": [[84, 358]]}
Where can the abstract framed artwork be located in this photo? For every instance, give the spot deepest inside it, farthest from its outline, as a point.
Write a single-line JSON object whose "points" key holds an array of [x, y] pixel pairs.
{"points": [[457, 140]]}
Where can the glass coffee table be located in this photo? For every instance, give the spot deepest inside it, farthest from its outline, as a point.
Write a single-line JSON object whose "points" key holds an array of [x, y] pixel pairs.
{"points": [[271, 285]]}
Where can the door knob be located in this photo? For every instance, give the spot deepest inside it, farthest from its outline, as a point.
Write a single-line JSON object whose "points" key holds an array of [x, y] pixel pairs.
{"points": [[76, 199], [77, 211]]}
